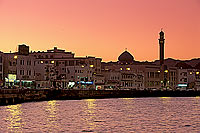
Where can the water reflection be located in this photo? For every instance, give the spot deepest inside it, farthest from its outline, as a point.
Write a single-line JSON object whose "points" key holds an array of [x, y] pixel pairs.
{"points": [[103, 115], [51, 110], [128, 102], [14, 119], [90, 114], [165, 100]]}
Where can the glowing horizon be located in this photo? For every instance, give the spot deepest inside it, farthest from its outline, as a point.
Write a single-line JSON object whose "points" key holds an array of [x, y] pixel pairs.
{"points": [[102, 28]]}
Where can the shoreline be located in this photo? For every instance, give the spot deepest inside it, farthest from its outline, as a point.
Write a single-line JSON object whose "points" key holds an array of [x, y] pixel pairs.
{"points": [[17, 96]]}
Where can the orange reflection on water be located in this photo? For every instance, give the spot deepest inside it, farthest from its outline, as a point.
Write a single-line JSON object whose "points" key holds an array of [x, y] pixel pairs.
{"points": [[51, 110], [165, 100], [128, 102], [165, 97], [14, 118], [90, 113]]}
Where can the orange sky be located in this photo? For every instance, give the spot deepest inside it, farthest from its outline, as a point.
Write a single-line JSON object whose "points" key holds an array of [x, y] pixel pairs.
{"points": [[102, 28]]}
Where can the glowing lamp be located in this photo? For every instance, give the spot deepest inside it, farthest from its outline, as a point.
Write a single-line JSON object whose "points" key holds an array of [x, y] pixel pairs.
{"points": [[166, 71], [15, 57]]}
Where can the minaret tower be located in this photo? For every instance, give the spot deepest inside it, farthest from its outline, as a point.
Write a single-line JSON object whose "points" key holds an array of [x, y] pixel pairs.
{"points": [[161, 43]]}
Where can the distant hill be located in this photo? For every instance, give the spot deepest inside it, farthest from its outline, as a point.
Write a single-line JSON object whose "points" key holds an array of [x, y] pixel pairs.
{"points": [[172, 62]]}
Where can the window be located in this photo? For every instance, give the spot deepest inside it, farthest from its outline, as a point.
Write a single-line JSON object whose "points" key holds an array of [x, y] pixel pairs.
{"points": [[185, 80], [21, 72], [157, 75], [71, 63], [151, 74]]}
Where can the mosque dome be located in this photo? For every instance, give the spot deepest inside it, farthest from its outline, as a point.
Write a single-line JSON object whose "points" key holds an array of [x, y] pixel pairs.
{"points": [[126, 57]]}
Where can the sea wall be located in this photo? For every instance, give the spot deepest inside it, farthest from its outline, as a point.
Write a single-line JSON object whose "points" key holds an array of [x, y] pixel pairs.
{"points": [[15, 96]]}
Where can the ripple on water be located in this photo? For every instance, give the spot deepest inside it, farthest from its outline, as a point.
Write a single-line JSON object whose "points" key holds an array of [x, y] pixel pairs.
{"points": [[104, 115]]}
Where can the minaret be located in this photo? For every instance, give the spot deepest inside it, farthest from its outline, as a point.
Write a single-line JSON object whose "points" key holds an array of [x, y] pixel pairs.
{"points": [[161, 43]]}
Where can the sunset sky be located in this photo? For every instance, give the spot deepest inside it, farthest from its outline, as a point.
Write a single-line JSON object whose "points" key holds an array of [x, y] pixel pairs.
{"points": [[103, 28]]}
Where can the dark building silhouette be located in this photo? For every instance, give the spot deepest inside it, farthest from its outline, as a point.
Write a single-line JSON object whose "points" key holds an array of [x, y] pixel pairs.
{"points": [[23, 49], [126, 58], [161, 43]]}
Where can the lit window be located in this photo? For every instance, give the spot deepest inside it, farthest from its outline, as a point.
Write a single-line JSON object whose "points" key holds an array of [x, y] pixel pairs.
{"points": [[82, 66], [190, 73], [159, 71], [15, 57], [121, 69], [166, 71], [52, 62], [91, 65], [41, 62], [197, 72], [128, 69]]}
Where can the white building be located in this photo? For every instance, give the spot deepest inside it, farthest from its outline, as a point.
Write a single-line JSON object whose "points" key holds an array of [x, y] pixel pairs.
{"points": [[19, 70], [188, 77], [61, 69]]}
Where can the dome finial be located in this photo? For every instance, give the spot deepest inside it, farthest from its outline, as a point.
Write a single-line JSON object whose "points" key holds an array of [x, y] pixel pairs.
{"points": [[125, 49]]}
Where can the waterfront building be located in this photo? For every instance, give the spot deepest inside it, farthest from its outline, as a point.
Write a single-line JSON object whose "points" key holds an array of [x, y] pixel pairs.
{"points": [[99, 81], [124, 74], [188, 77], [129, 74], [81, 71], [47, 73], [112, 77], [56, 68], [61, 69], [152, 77], [19, 70]]}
